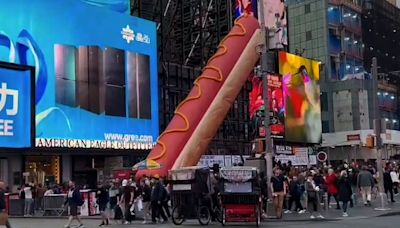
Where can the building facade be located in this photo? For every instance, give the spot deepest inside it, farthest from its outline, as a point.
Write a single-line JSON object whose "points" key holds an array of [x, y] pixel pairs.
{"points": [[96, 101], [336, 33]]}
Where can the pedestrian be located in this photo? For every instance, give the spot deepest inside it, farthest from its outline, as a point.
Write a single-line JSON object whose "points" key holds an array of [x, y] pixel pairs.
{"points": [[388, 184], [103, 198], [278, 189], [312, 197], [296, 191], [344, 194], [146, 199], [331, 182], [395, 179], [166, 197], [113, 194], [28, 200], [74, 200], [353, 175], [3, 213], [157, 199], [40, 190], [48, 192], [264, 192], [365, 183], [126, 200]]}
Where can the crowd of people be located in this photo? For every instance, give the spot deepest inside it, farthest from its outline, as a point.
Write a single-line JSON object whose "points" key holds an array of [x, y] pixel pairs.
{"points": [[345, 186], [119, 200], [308, 188]]}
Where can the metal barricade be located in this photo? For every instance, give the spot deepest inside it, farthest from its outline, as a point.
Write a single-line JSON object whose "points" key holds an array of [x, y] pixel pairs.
{"points": [[53, 204], [16, 207]]}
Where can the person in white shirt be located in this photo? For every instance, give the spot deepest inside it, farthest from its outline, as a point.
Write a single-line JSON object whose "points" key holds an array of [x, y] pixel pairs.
{"points": [[48, 192], [28, 200], [394, 175]]}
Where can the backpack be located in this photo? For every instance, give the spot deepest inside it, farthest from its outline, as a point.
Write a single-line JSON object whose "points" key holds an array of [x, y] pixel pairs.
{"points": [[301, 189], [80, 199]]}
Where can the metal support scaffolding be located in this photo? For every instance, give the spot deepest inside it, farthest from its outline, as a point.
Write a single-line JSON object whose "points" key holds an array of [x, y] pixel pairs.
{"points": [[188, 35]]}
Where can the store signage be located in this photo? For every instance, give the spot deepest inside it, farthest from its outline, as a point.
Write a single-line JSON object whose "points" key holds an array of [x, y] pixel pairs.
{"points": [[355, 137], [129, 35], [96, 86], [282, 149], [15, 106]]}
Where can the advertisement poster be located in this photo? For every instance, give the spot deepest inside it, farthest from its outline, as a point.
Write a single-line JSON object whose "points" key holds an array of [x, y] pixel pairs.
{"points": [[282, 149], [96, 72], [277, 111], [275, 18], [16, 108], [301, 96], [299, 156], [248, 7]]}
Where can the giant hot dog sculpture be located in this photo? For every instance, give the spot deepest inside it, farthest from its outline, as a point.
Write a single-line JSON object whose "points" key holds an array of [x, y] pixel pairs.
{"points": [[198, 117]]}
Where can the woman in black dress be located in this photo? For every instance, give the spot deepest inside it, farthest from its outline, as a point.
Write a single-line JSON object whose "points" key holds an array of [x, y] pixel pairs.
{"points": [[345, 192]]}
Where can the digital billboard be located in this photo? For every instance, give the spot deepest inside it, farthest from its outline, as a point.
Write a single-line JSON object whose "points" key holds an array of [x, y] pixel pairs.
{"points": [[16, 106], [96, 72], [275, 18], [122, 6], [277, 111], [248, 7], [301, 97]]}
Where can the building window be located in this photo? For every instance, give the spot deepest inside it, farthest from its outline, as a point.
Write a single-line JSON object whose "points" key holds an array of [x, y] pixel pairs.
{"points": [[307, 8], [308, 35], [325, 126], [324, 101]]}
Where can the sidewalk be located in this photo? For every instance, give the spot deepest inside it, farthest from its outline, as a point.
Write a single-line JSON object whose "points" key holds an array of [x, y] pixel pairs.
{"points": [[358, 212]]}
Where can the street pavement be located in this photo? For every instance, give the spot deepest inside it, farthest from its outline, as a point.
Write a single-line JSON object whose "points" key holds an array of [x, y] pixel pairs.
{"points": [[350, 222], [359, 216]]}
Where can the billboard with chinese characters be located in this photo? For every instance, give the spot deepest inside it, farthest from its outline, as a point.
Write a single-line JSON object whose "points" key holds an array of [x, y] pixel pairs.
{"points": [[301, 96], [277, 111], [16, 106], [96, 72]]}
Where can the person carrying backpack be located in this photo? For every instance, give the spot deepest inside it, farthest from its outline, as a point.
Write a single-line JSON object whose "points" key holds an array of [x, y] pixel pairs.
{"points": [[74, 200]]}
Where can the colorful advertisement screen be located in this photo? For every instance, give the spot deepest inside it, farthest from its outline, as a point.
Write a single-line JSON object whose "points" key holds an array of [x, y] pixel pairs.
{"points": [[96, 72], [275, 18], [277, 111], [301, 96], [16, 107], [248, 7]]}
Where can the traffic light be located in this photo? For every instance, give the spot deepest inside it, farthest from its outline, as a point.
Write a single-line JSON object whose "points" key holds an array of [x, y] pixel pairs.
{"points": [[370, 141]]}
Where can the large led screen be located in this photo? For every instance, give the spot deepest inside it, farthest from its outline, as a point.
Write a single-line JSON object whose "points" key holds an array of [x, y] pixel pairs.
{"points": [[96, 72], [301, 95], [277, 111], [16, 106], [275, 18], [122, 6]]}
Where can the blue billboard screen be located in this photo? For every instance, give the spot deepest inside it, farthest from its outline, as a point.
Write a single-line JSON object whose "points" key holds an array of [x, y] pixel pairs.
{"points": [[15, 107], [122, 6], [95, 70]]}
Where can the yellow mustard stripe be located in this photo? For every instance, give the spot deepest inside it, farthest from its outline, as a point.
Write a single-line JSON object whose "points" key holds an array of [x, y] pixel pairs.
{"points": [[222, 50]]}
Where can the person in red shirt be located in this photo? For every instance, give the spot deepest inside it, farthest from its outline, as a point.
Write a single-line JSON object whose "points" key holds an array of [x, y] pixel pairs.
{"points": [[331, 182]]}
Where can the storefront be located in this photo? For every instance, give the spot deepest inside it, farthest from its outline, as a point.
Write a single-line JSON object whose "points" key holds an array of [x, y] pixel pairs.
{"points": [[44, 170], [83, 111]]}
